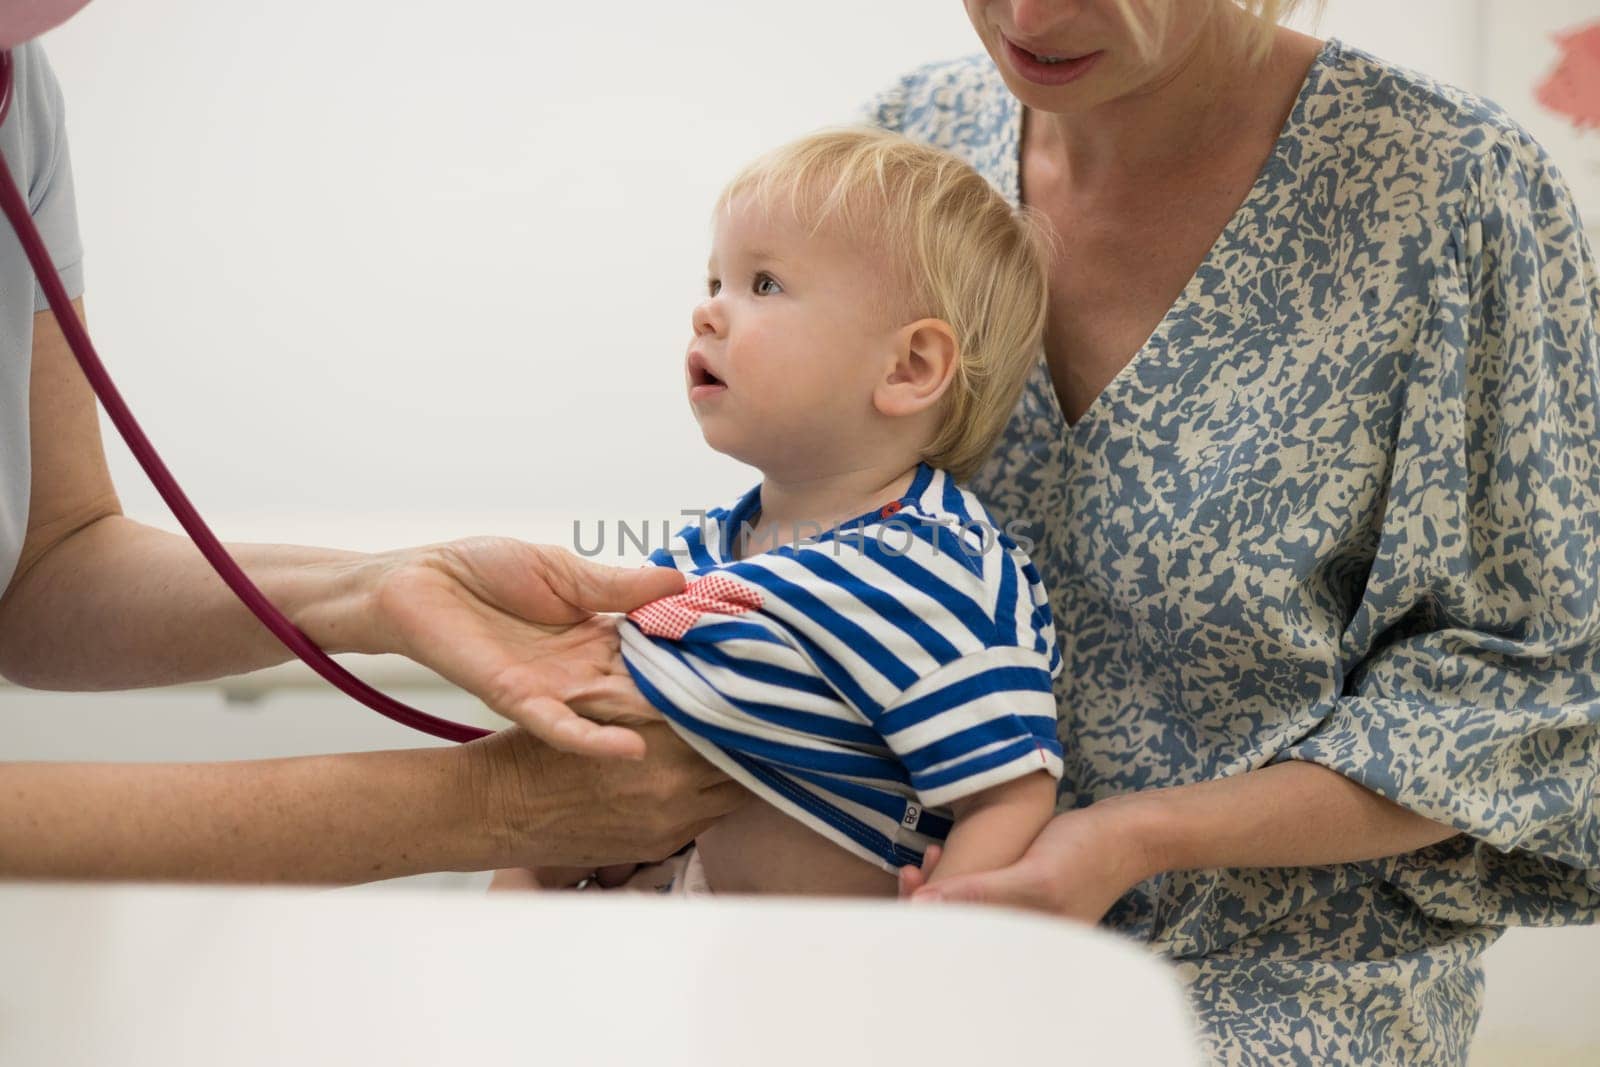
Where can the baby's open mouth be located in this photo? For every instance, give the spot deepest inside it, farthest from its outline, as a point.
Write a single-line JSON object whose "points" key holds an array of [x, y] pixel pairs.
{"points": [[700, 373]]}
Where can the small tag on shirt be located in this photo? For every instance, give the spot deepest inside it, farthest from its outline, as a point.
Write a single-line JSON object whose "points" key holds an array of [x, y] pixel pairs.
{"points": [[913, 813]]}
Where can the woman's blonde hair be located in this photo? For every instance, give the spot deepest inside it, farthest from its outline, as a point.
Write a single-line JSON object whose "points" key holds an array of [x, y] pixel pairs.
{"points": [[952, 247], [1267, 14]]}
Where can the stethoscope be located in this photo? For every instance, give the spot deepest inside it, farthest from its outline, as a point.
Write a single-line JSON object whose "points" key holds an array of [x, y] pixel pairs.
{"points": [[16, 209]]}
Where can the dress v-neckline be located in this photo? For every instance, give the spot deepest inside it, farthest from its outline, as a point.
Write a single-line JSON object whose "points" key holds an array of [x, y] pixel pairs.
{"points": [[1260, 189]]}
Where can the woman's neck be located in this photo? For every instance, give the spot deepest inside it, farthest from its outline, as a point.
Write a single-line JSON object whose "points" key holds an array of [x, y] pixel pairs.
{"points": [[1209, 87]]}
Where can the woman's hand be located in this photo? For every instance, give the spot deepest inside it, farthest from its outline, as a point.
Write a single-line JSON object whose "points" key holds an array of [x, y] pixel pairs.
{"points": [[544, 808], [1078, 866], [1290, 814], [513, 623]]}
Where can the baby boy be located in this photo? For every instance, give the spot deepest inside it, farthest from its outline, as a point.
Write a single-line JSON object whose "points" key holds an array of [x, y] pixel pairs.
{"points": [[858, 644]]}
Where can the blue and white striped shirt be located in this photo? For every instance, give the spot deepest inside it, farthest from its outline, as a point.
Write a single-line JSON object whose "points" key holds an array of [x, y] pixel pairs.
{"points": [[865, 679]]}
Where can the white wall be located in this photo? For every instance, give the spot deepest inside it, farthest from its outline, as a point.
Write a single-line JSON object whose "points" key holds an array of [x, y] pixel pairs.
{"points": [[345, 261]]}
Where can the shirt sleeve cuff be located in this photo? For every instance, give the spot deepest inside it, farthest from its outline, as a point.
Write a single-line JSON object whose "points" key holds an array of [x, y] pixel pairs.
{"points": [[71, 278]]}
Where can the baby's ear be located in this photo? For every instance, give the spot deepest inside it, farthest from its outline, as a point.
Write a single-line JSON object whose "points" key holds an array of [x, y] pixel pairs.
{"points": [[921, 366]]}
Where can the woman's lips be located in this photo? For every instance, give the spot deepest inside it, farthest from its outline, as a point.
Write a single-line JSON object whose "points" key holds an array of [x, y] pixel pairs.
{"points": [[698, 393], [1068, 70]]}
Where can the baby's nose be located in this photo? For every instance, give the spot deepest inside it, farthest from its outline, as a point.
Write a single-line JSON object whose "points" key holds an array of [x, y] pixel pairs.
{"points": [[706, 320]]}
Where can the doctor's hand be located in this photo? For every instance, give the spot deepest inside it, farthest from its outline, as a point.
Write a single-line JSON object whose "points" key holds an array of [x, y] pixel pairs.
{"points": [[514, 624], [544, 808], [1078, 866]]}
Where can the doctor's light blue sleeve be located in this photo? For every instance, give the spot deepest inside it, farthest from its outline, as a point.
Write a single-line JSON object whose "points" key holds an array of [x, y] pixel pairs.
{"points": [[39, 112]]}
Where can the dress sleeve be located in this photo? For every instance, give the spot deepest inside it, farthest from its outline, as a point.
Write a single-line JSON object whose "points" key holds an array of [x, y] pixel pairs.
{"points": [[886, 109], [1473, 693]]}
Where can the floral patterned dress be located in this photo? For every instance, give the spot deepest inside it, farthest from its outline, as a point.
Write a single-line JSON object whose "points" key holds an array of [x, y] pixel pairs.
{"points": [[1343, 506]]}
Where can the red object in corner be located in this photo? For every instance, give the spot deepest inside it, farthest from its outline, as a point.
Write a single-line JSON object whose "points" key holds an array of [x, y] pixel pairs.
{"points": [[1572, 89]]}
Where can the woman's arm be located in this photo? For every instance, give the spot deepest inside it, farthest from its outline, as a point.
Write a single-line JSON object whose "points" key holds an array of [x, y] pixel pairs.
{"points": [[99, 601], [116, 604], [345, 818], [1288, 814], [1291, 814], [502, 801]]}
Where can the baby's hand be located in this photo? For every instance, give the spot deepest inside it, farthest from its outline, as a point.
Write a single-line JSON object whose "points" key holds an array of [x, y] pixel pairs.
{"points": [[912, 879]]}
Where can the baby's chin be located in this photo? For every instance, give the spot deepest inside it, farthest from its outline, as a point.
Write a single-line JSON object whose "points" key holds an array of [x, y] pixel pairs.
{"points": [[764, 451], [719, 437], [750, 457]]}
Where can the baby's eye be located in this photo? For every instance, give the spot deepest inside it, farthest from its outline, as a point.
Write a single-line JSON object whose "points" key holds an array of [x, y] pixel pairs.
{"points": [[766, 285], [713, 286]]}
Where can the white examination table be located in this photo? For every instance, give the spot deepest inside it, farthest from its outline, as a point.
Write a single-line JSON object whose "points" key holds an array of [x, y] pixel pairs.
{"points": [[119, 975]]}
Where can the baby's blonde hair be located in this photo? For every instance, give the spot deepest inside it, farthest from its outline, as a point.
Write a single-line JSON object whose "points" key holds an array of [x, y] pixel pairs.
{"points": [[953, 248]]}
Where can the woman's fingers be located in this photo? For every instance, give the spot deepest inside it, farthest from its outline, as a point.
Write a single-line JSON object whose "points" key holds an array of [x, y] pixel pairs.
{"points": [[613, 699], [563, 729], [1014, 886], [598, 587], [510, 623], [913, 878]]}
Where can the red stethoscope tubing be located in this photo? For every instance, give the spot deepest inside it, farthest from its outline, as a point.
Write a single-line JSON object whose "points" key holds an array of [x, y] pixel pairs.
{"points": [[16, 209]]}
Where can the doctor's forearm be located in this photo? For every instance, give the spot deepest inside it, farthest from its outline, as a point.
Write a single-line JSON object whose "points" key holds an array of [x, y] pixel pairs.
{"points": [[315, 819], [502, 801], [123, 605]]}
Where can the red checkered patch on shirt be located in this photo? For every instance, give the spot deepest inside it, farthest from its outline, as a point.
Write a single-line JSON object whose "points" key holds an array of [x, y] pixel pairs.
{"points": [[672, 616]]}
